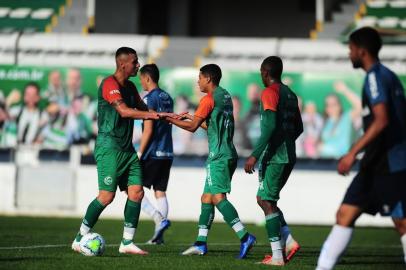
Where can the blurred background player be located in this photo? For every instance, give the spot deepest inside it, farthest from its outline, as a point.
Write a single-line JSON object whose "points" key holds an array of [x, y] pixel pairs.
{"points": [[215, 114], [117, 161], [380, 185], [156, 151], [281, 125]]}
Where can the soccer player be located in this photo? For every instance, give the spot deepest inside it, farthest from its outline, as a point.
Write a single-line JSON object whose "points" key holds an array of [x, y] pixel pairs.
{"points": [[281, 124], [117, 161], [215, 114], [380, 185], [156, 149]]}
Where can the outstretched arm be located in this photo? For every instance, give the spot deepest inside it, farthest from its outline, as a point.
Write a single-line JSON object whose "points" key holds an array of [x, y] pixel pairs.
{"points": [[187, 125], [127, 112], [190, 117]]}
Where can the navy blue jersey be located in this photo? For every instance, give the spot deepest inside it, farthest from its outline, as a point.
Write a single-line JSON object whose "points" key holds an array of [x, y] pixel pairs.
{"points": [[160, 145], [387, 152]]}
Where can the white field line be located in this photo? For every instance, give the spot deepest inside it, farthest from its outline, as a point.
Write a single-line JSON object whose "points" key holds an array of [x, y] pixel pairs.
{"points": [[178, 244], [110, 245]]}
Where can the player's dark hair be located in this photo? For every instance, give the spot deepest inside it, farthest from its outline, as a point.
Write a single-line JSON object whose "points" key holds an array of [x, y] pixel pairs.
{"points": [[212, 71], [367, 38], [33, 84], [152, 70], [124, 50], [274, 66]]}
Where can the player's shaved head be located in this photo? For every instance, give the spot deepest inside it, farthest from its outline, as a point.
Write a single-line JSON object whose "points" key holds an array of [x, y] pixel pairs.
{"points": [[273, 66], [123, 52]]}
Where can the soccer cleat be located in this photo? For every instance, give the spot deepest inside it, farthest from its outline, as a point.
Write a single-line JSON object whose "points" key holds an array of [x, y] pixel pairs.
{"points": [[195, 250], [131, 249], [163, 226], [246, 246], [268, 260], [159, 241], [76, 246], [291, 250], [76, 243]]}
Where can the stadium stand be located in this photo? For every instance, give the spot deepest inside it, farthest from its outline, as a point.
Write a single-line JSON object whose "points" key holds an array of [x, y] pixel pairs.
{"points": [[29, 16], [7, 48], [298, 54], [388, 17], [81, 50]]}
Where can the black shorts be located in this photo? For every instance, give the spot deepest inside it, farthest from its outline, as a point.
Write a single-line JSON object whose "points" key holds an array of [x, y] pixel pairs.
{"points": [[373, 193], [155, 173]]}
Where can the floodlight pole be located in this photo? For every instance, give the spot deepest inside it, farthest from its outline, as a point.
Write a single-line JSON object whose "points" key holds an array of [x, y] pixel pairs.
{"points": [[319, 15]]}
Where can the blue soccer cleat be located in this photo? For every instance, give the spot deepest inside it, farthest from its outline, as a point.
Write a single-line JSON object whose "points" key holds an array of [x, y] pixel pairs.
{"points": [[195, 250], [158, 235], [246, 246]]}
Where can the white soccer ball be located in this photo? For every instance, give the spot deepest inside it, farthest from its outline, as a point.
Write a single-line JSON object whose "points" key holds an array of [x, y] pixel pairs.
{"points": [[92, 244]]}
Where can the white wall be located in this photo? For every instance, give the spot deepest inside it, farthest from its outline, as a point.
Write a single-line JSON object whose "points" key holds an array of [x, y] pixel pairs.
{"points": [[7, 188], [309, 197]]}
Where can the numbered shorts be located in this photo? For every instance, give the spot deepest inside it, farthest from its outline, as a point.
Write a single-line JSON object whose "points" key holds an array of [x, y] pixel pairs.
{"points": [[272, 178], [218, 176], [373, 193], [155, 173], [117, 168]]}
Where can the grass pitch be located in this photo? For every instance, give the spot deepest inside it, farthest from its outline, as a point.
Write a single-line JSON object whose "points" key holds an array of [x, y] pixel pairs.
{"points": [[44, 243]]}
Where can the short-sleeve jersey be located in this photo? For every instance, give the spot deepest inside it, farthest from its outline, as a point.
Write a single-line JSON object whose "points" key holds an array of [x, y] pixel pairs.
{"points": [[160, 145], [387, 152], [115, 132], [283, 101], [217, 109]]}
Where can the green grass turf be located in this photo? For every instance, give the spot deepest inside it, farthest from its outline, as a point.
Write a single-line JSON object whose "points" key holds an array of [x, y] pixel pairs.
{"points": [[371, 248]]}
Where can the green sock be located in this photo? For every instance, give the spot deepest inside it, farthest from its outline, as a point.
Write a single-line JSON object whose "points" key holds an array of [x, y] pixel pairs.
{"points": [[205, 221], [273, 227], [93, 212], [131, 217], [230, 216]]}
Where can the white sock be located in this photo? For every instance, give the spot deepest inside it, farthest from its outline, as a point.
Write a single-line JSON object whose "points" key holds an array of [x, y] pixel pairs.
{"points": [[150, 210], [238, 226], [403, 241], [277, 250], [84, 229], [203, 232], [287, 238], [162, 205], [334, 246], [128, 233]]}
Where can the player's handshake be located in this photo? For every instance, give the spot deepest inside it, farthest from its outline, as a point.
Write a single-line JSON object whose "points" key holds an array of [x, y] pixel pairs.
{"points": [[165, 115]]}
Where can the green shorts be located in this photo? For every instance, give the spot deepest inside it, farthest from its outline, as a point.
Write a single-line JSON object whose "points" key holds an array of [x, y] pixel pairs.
{"points": [[117, 168], [272, 178], [219, 174]]}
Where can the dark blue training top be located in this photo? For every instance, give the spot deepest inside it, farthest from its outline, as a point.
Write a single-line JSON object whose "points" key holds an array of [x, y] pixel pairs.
{"points": [[387, 153], [160, 145]]}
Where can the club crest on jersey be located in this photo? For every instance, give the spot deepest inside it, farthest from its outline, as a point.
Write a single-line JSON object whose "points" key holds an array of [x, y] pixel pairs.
{"points": [[163, 95], [112, 92], [108, 180]]}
